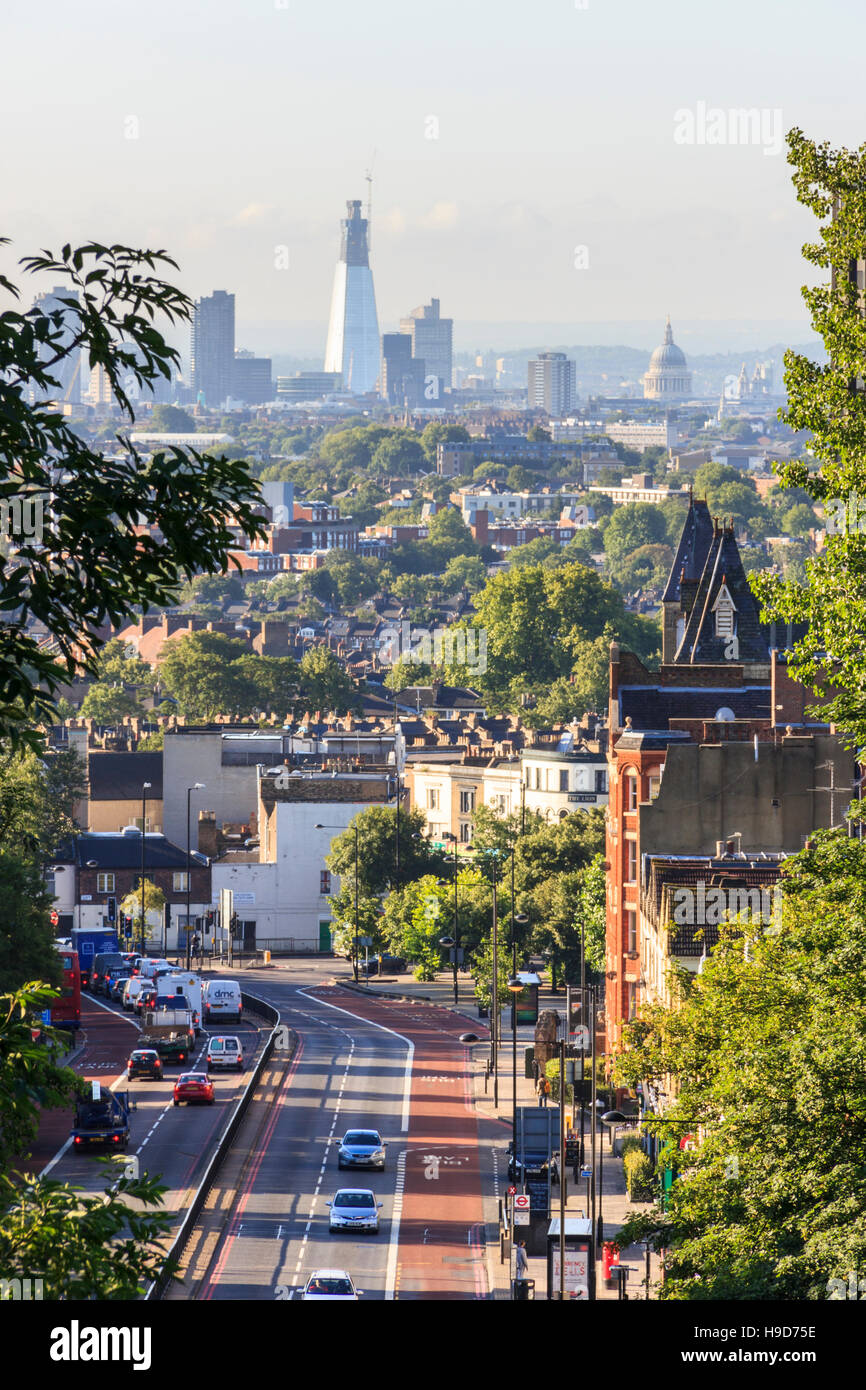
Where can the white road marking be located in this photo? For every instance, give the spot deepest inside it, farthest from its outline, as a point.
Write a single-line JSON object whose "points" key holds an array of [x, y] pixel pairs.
{"points": [[410, 1053], [396, 1215]]}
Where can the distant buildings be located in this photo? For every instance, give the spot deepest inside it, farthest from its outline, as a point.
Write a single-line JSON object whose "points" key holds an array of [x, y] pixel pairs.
{"points": [[668, 377], [431, 337], [67, 372], [308, 386], [252, 380], [213, 348], [353, 331], [401, 381], [551, 383]]}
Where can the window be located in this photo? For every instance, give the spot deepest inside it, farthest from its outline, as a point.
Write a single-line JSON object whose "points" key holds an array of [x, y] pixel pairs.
{"points": [[629, 792], [631, 930], [105, 883], [631, 1000], [563, 779], [432, 799], [467, 803], [324, 881], [600, 780], [655, 782], [631, 860], [465, 832], [179, 883]]}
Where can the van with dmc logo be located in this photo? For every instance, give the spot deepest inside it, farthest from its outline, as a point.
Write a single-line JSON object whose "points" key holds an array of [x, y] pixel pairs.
{"points": [[222, 1001]]}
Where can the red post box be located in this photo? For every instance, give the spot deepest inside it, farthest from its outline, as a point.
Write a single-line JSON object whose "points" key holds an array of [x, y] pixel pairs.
{"points": [[609, 1261]]}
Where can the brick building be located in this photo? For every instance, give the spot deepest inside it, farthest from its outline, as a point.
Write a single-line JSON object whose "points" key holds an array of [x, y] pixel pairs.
{"points": [[714, 746]]}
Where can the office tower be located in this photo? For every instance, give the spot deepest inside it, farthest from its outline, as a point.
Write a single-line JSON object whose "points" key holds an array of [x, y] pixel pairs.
{"points": [[353, 330], [431, 342], [67, 372], [551, 383], [402, 378], [252, 379], [213, 348]]}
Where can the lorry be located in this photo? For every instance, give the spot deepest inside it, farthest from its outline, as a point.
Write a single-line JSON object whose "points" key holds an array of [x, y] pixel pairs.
{"points": [[92, 943], [186, 986], [170, 1031], [531, 1154], [102, 1120]]}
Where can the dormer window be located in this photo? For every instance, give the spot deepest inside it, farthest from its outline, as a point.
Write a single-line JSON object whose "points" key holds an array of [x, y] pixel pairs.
{"points": [[724, 610]]}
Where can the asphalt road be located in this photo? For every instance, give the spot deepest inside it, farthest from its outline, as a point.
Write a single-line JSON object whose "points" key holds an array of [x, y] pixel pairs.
{"points": [[362, 1062], [174, 1142]]}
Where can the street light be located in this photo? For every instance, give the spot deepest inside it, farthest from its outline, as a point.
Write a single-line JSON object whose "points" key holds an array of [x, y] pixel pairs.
{"points": [[320, 826], [145, 787], [449, 836], [196, 787], [515, 987], [610, 1117]]}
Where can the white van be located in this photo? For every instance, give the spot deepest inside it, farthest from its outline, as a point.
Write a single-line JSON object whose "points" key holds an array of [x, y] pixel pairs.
{"points": [[222, 1000], [149, 969], [225, 1052], [190, 986], [131, 990]]}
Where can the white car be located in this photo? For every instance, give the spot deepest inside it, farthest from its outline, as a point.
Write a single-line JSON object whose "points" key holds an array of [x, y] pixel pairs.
{"points": [[354, 1209], [330, 1286]]}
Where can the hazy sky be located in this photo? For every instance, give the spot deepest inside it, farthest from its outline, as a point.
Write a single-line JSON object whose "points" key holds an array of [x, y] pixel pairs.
{"points": [[225, 130]]}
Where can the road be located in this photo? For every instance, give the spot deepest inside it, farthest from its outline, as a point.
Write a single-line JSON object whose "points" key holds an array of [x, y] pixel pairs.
{"points": [[174, 1142], [362, 1062]]}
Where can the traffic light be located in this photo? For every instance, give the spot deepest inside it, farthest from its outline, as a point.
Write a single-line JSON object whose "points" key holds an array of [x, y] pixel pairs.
{"points": [[112, 909], [209, 919]]}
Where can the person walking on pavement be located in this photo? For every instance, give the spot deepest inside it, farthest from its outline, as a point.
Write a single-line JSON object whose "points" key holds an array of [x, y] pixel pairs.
{"points": [[520, 1261], [542, 1089]]}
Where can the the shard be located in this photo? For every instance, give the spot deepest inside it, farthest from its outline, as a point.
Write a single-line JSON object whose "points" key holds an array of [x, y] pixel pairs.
{"points": [[353, 331]]}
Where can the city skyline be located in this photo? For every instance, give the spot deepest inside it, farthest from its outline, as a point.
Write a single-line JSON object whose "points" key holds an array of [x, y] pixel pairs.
{"points": [[617, 202]]}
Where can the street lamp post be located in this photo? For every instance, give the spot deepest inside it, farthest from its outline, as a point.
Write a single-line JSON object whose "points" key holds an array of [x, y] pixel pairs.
{"points": [[456, 929], [610, 1117], [145, 788], [196, 786]]}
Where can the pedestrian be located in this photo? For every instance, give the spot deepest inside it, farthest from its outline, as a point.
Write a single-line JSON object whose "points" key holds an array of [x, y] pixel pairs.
{"points": [[542, 1089], [546, 1090], [520, 1260]]}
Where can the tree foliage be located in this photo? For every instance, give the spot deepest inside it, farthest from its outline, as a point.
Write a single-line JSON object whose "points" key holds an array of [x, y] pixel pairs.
{"points": [[88, 563], [764, 1051]]}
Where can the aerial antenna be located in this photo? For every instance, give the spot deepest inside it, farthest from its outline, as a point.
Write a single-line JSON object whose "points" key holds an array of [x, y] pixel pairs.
{"points": [[369, 177]]}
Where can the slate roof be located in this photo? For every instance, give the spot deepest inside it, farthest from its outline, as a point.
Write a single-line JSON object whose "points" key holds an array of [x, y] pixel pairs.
{"points": [[119, 776], [654, 707], [700, 645], [692, 551], [123, 851]]}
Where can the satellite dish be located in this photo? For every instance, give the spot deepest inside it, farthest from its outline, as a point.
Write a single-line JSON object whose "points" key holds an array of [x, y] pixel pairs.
{"points": [[724, 715]]}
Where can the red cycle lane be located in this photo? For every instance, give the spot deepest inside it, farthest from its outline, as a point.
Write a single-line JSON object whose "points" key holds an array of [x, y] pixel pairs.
{"points": [[108, 1038], [441, 1251]]}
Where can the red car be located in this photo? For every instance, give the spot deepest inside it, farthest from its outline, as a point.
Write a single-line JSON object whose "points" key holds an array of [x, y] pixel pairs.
{"points": [[193, 1086]]}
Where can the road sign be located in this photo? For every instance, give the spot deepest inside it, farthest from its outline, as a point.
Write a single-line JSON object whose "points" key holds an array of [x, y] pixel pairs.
{"points": [[54, 918], [511, 1191], [521, 1201], [522, 1218]]}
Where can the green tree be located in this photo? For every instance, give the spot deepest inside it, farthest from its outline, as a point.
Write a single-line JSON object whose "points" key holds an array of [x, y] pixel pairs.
{"points": [[763, 1050], [449, 536], [648, 567], [154, 906], [82, 1246], [116, 667], [171, 419], [27, 949], [377, 850], [632, 525], [201, 671], [465, 572], [195, 507], [400, 453], [325, 685], [108, 705], [438, 433], [799, 520]]}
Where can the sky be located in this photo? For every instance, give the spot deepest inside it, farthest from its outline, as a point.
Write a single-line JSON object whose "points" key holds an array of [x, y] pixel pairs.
{"points": [[538, 166]]}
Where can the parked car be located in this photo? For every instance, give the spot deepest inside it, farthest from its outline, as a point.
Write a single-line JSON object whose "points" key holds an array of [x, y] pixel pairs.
{"points": [[361, 1148], [354, 1209], [330, 1286], [384, 965], [225, 1052], [194, 1087], [144, 1061]]}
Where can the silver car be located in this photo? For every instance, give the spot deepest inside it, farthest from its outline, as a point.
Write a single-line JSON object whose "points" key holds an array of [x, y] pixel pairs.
{"points": [[354, 1209], [361, 1148]]}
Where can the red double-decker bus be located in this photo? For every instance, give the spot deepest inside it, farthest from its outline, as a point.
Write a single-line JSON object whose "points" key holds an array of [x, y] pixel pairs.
{"points": [[66, 1011]]}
